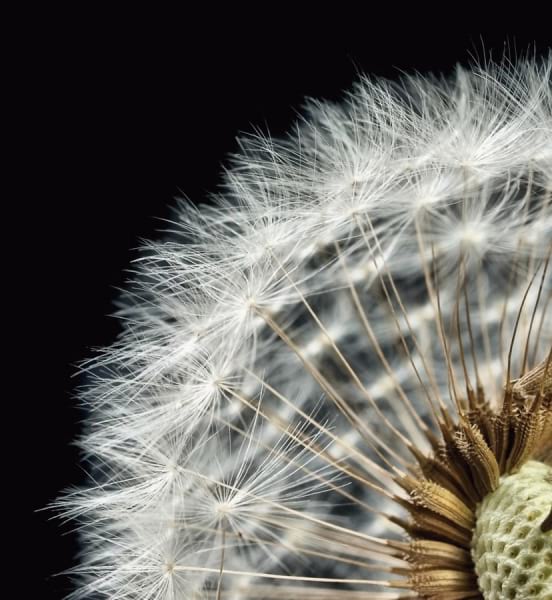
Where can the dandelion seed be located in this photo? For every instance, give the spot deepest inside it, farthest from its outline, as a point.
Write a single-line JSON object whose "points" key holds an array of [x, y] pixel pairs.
{"points": [[339, 385]]}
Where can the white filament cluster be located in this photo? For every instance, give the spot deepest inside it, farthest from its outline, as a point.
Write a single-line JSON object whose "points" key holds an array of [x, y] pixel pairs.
{"points": [[220, 467]]}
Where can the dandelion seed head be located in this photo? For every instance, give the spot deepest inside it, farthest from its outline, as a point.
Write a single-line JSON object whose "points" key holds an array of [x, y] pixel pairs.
{"points": [[326, 375]]}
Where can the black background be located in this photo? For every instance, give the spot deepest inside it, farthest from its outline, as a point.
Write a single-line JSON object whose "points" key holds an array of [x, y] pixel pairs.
{"points": [[116, 120]]}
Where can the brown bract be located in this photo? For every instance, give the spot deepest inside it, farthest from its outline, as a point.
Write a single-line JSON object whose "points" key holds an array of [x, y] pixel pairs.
{"points": [[445, 489]]}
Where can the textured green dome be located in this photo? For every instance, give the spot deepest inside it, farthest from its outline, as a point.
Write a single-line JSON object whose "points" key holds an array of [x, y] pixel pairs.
{"points": [[512, 555]]}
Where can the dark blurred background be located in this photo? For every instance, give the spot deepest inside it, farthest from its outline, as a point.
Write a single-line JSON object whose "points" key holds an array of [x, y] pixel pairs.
{"points": [[118, 117]]}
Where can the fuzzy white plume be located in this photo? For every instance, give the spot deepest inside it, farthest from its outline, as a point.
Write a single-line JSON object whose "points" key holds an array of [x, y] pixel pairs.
{"points": [[281, 342]]}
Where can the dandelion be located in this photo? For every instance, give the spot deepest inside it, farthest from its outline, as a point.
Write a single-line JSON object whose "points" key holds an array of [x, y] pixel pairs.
{"points": [[336, 381]]}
